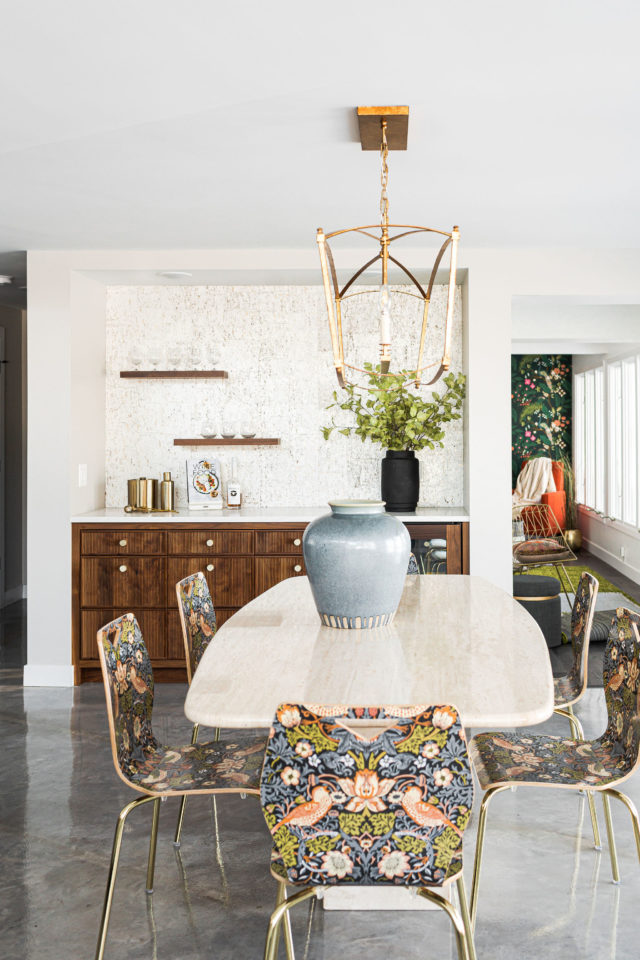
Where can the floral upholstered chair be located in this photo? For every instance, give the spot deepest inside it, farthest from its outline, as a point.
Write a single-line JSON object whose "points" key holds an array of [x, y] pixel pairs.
{"points": [[346, 810], [198, 618], [198, 622], [504, 759], [153, 770], [568, 689]]}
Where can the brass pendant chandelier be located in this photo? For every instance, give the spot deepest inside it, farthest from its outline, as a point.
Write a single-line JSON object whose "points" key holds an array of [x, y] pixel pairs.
{"points": [[385, 128]]}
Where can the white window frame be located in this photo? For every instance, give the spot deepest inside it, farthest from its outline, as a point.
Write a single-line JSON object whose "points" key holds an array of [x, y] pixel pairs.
{"points": [[605, 416]]}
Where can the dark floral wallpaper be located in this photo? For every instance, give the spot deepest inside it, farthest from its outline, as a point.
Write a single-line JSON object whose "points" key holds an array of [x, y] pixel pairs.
{"points": [[540, 408]]}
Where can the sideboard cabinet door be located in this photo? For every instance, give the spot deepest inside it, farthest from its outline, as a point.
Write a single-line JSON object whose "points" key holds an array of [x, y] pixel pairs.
{"points": [[123, 582], [272, 570], [230, 579]]}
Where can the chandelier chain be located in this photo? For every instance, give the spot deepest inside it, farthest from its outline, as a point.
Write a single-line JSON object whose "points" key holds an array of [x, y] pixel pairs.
{"points": [[384, 177]]}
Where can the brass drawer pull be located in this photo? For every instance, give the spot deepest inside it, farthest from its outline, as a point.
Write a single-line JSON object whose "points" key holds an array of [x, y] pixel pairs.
{"points": [[122, 568], [209, 543], [297, 542], [297, 568], [123, 543], [209, 567]]}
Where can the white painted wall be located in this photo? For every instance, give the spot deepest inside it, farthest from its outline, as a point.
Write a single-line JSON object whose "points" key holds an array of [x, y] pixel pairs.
{"points": [[494, 278], [605, 538], [88, 306], [66, 423]]}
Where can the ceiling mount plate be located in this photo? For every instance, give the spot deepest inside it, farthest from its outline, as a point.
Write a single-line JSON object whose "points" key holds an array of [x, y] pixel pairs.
{"points": [[369, 119]]}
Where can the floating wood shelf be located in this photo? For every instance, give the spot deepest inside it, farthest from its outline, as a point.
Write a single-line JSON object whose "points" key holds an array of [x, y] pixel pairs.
{"points": [[228, 441], [174, 374]]}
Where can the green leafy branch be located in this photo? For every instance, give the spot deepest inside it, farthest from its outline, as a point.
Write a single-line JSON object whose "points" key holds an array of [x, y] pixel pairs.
{"points": [[389, 413]]}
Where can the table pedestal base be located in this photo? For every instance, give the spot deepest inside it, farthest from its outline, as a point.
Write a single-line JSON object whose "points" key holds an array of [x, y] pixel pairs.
{"points": [[378, 898]]}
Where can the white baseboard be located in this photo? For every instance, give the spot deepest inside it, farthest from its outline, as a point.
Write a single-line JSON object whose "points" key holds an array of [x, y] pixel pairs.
{"points": [[626, 568], [47, 675], [15, 594]]}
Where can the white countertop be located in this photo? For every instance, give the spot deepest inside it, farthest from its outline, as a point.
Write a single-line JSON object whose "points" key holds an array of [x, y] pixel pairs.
{"points": [[258, 515], [456, 639]]}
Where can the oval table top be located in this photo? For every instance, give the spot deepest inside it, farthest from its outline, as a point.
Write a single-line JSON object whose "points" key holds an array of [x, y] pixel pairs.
{"points": [[454, 639]]}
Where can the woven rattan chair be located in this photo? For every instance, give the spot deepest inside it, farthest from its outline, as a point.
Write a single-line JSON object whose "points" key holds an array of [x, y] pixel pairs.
{"points": [[344, 810], [502, 760], [153, 770]]}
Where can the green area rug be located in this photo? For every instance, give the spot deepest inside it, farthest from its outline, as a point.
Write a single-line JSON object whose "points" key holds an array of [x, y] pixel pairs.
{"points": [[574, 571]]}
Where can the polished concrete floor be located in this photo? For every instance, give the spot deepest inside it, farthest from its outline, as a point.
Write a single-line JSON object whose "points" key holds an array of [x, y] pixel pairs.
{"points": [[546, 892]]}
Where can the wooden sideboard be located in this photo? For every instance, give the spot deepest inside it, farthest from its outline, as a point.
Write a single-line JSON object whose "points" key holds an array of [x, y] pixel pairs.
{"points": [[135, 566]]}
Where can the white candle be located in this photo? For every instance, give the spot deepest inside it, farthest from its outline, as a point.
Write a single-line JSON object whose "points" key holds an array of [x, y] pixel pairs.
{"points": [[385, 315]]}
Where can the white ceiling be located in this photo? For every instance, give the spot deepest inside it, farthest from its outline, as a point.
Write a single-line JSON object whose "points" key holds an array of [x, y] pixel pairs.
{"points": [[156, 124]]}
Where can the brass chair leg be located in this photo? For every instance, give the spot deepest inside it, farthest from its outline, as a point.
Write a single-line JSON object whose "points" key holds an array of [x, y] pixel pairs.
{"points": [[477, 861], [578, 734], [613, 853], [113, 869], [591, 800], [183, 801], [466, 918], [281, 896], [576, 726], [458, 925], [633, 811], [273, 932], [153, 843]]}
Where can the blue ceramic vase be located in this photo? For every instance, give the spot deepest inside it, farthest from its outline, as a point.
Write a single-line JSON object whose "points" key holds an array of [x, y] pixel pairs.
{"points": [[356, 559]]}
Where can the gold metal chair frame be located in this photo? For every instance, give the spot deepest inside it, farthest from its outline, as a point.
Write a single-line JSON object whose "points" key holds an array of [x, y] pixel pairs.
{"points": [[147, 797], [606, 792], [196, 726], [460, 919], [541, 523]]}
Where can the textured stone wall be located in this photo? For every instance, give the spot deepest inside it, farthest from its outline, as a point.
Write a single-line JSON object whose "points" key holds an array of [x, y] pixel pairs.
{"points": [[274, 342]]}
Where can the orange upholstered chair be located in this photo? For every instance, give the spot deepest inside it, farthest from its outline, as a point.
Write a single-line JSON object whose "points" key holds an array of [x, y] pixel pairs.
{"points": [[556, 500]]}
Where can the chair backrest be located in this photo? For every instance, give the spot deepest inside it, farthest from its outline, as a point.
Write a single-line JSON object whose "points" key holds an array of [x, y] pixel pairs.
{"points": [[620, 679], [198, 618], [128, 684], [413, 564], [342, 808], [584, 607]]}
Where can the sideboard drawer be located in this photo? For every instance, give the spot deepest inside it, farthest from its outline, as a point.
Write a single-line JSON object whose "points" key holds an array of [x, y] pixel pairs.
{"points": [[271, 570], [202, 543], [121, 542], [122, 582], [152, 626], [230, 579], [279, 542]]}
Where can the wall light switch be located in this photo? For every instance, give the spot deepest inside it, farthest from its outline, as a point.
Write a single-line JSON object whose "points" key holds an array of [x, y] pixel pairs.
{"points": [[82, 474], [622, 553]]}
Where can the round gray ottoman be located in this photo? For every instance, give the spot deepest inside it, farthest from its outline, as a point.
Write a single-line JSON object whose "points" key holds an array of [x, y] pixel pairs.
{"points": [[540, 596]]}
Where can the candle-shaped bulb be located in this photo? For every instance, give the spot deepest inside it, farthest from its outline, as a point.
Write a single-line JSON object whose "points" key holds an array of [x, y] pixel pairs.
{"points": [[385, 315]]}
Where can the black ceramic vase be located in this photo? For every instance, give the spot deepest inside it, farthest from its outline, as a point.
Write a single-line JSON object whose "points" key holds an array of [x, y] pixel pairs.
{"points": [[400, 481]]}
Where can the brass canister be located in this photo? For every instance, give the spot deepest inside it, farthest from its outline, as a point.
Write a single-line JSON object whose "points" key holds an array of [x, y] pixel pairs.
{"points": [[167, 496], [153, 496], [142, 493], [132, 494]]}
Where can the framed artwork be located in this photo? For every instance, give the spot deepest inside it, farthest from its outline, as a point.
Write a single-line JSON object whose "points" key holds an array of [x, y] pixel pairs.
{"points": [[204, 489]]}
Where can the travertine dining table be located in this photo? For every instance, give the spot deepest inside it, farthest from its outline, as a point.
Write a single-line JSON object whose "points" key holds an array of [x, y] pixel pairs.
{"points": [[454, 639], [458, 640]]}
